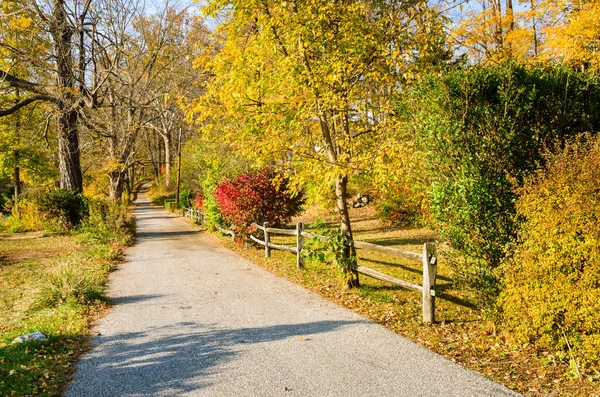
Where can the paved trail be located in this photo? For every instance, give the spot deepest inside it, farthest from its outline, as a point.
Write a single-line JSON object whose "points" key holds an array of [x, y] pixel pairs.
{"points": [[195, 319]]}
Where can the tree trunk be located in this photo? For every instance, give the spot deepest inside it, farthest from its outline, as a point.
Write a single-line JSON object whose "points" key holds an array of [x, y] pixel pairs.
{"points": [[17, 170], [152, 155], [126, 187], [17, 184], [534, 26], [510, 14], [68, 151], [349, 253], [167, 142], [68, 140], [178, 167], [116, 180], [341, 194]]}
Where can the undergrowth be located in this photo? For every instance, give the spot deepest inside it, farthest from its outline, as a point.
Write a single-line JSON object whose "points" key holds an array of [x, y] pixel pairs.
{"points": [[54, 284]]}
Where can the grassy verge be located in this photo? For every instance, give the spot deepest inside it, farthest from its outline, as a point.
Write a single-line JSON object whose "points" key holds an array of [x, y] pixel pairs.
{"points": [[55, 285], [463, 333]]}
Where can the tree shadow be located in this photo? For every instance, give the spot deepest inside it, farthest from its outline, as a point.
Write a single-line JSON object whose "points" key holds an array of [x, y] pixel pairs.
{"points": [[158, 217], [163, 235], [440, 294], [457, 301], [123, 300], [174, 359]]}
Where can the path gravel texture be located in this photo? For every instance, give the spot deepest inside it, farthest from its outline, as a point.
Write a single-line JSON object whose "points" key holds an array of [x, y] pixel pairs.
{"points": [[195, 319]]}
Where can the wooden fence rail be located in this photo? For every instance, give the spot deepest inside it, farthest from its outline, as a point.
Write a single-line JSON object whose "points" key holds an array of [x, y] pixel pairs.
{"points": [[268, 231], [225, 231], [194, 214], [428, 258]]}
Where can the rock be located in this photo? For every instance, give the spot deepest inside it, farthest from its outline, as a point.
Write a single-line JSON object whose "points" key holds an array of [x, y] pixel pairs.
{"points": [[364, 199], [34, 336]]}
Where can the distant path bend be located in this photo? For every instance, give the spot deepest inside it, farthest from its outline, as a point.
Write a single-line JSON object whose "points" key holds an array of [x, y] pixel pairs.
{"points": [[194, 319]]}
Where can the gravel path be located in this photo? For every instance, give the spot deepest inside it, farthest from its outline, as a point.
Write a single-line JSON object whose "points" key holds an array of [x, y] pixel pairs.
{"points": [[195, 319]]}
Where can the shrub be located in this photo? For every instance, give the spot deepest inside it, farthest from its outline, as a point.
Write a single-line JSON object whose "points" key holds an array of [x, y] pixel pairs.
{"points": [[551, 289], [106, 221], [63, 209], [481, 131], [26, 219], [398, 208], [199, 201], [68, 283], [185, 198], [158, 194], [256, 197]]}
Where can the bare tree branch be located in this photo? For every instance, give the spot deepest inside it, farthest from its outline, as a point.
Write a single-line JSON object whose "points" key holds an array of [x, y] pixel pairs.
{"points": [[24, 84], [23, 103]]}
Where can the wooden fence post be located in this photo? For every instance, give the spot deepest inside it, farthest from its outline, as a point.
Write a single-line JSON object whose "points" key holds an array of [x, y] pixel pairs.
{"points": [[267, 240], [429, 274], [299, 245]]}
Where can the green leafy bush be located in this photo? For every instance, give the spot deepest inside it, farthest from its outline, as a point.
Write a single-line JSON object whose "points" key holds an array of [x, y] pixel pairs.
{"points": [[551, 293], [185, 198], [63, 209], [480, 131], [106, 222], [330, 247]]}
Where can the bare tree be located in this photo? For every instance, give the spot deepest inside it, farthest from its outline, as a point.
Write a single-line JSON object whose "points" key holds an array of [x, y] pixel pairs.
{"points": [[152, 72], [67, 76]]}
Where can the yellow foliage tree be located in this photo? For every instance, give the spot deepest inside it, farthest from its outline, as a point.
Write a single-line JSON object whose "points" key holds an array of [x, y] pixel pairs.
{"points": [[535, 30], [578, 40], [309, 85]]}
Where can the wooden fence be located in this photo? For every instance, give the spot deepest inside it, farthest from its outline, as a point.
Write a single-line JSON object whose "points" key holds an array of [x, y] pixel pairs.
{"points": [[298, 232], [169, 204], [194, 214], [428, 258]]}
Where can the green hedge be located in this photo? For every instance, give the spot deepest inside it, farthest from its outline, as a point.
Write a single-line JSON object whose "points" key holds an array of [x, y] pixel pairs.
{"points": [[482, 130]]}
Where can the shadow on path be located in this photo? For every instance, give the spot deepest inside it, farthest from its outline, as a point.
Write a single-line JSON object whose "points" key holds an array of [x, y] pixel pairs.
{"points": [[164, 235], [179, 358], [133, 299]]}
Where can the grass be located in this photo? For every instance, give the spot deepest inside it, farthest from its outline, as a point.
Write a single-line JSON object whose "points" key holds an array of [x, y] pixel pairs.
{"points": [[52, 284], [463, 332]]}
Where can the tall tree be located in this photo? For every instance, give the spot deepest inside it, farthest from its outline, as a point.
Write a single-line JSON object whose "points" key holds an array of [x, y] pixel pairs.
{"points": [[539, 30], [21, 156], [153, 69], [73, 82], [309, 84]]}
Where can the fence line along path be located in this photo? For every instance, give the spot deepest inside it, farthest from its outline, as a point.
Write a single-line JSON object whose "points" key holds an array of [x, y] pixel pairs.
{"points": [[428, 258]]}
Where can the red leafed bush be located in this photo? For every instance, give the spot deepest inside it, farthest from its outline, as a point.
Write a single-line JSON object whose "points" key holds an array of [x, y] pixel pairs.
{"points": [[199, 201], [256, 197]]}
